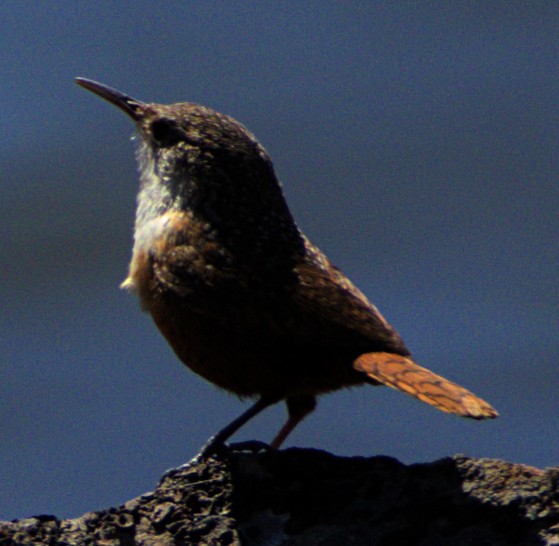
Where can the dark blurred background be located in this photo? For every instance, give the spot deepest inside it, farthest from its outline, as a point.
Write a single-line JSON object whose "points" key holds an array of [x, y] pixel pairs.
{"points": [[418, 147]]}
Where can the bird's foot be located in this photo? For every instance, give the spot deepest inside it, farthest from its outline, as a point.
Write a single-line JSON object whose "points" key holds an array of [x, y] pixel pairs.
{"points": [[251, 446], [214, 446]]}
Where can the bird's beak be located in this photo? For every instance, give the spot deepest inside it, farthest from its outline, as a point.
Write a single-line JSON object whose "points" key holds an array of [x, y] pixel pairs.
{"points": [[134, 108]]}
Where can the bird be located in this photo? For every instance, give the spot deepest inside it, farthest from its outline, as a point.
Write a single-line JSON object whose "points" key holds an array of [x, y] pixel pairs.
{"points": [[241, 295]]}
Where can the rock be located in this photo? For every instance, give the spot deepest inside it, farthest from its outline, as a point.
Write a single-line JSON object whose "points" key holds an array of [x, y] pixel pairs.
{"points": [[308, 497]]}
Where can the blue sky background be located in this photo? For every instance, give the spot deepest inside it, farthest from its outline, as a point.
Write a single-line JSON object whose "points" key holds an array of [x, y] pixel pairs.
{"points": [[418, 147]]}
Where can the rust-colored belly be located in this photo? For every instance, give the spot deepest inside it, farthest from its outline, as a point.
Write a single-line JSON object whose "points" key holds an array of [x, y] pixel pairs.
{"points": [[250, 352]]}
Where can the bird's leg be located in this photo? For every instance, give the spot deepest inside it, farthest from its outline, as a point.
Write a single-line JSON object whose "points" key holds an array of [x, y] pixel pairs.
{"points": [[298, 408], [226, 432]]}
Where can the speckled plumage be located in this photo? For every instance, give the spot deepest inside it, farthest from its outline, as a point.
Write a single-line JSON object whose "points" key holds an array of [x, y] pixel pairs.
{"points": [[241, 295]]}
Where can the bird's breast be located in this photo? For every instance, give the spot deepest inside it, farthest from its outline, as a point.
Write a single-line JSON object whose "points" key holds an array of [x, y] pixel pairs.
{"points": [[153, 238]]}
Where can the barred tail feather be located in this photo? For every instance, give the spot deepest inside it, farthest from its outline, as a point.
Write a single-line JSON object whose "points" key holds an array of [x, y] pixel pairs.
{"points": [[405, 375]]}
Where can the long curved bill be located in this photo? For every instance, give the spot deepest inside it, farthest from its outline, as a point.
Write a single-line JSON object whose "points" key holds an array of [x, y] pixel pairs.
{"points": [[133, 107]]}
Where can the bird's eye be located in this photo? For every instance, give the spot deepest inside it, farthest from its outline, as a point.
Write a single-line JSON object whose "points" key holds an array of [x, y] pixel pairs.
{"points": [[166, 132]]}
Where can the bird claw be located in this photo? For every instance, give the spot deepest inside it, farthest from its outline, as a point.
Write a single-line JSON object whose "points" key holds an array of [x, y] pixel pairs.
{"points": [[252, 446], [214, 446]]}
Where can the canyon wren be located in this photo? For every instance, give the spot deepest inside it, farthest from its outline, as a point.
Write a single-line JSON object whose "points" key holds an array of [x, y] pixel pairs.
{"points": [[242, 296]]}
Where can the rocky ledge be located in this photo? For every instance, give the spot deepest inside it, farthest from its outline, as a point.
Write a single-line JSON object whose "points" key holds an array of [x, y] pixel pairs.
{"points": [[308, 497]]}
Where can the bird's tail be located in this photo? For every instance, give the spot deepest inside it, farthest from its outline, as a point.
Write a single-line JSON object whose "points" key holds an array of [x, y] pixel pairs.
{"points": [[405, 375]]}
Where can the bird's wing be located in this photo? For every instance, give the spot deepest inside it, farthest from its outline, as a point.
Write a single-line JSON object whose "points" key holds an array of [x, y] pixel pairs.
{"points": [[330, 300]]}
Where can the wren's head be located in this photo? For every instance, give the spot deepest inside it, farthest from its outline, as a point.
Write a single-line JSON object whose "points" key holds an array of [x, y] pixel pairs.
{"points": [[195, 159]]}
